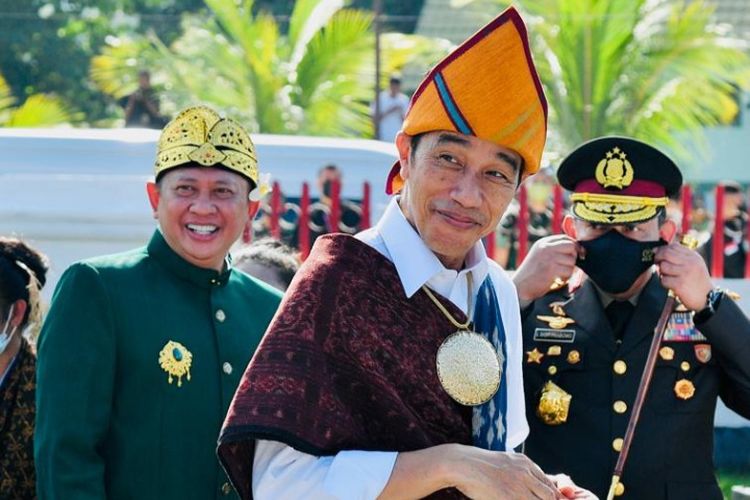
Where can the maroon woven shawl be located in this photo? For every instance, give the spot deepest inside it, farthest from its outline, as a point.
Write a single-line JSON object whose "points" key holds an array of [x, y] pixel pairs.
{"points": [[348, 363]]}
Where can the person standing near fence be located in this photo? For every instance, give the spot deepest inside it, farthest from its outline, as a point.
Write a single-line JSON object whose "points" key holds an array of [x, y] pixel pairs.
{"points": [[141, 352], [142, 106], [320, 220], [586, 344], [540, 192], [373, 381], [393, 105], [735, 244]]}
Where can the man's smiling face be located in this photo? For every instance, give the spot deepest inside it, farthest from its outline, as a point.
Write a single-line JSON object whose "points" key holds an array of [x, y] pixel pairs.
{"points": [[456, 188], [201, 211]]}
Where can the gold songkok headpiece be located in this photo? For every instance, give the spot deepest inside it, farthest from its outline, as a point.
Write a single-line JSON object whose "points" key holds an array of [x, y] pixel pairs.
{"points": [[201, 137]]}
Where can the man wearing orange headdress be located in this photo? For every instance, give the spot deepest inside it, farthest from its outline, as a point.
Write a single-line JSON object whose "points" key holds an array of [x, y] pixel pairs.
{"points": [[393, 368]]}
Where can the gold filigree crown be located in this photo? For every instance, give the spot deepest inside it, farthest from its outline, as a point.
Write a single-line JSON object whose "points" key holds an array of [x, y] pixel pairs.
{"points": [[200, 136]]}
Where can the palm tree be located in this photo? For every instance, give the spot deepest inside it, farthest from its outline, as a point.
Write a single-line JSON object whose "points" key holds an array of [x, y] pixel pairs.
{"points": [[38, 110], [316, 78], [652, 69]]}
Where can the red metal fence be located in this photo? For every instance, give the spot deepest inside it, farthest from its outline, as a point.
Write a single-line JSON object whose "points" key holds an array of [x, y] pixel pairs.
{"points": [[291, 217]]}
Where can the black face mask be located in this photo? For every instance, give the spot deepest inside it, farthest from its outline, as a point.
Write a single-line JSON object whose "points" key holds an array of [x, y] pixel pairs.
{"points": [[327, 188], [614, 261]]}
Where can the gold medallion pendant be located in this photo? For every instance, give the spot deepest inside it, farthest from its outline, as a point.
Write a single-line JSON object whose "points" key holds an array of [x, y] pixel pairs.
{"points": [[469, 368], [175, 359]]}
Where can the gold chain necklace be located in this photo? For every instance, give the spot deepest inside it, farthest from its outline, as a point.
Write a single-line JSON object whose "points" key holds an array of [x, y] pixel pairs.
{"points": [[468, 367], [446, 313]]}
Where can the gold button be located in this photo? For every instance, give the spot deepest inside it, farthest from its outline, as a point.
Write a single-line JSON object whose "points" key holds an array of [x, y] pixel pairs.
{"points": [[226, 488], [617, 444], [620, 367], [620, 407], [552, 370], [685, 366], [227, 368], [619, 489], [220, 315], [574, 357]]}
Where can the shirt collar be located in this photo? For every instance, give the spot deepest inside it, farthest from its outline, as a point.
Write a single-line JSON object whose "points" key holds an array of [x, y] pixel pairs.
{"points": [[415, 263], [160, 250], [607, 298]]}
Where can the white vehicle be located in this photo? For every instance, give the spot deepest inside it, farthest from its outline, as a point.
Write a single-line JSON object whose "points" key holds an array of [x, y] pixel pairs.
{"points": [[76, 193]]}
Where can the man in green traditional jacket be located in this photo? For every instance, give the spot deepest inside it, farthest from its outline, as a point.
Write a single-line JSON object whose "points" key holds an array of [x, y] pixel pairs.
{"points": [[142, 351]]}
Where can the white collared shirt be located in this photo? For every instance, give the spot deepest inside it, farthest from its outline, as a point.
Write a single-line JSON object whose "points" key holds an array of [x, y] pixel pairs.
{"points": [[280, 471]]}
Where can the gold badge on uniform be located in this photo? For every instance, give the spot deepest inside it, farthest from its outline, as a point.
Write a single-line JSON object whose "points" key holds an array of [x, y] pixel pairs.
{"points": [[554, 350], [557, 308], [702, 352], [560, 320], [554, 404], [176, 360], [534, 356], [666, 353], [684, 389], [614, 170], [556, 322]]}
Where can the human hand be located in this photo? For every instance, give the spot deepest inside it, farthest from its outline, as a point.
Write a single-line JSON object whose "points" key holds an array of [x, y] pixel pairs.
{"points": [[551, 259], [482, 474], [568, 489], [684, 272]]}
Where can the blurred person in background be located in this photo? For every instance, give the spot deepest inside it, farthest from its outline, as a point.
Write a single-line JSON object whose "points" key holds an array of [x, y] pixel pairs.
{"points": [[735, 215], [142, 106], [141, 351], [393, 105], [319, 222], [23, 272], [539, 190], [269, 260]]}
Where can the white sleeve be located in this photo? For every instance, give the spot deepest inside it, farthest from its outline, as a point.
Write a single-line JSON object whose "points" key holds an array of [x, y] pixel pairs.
{"points": [[280, 471]]}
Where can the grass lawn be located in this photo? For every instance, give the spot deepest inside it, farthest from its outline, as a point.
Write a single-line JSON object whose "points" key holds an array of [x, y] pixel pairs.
{"points": [[729, 479]]}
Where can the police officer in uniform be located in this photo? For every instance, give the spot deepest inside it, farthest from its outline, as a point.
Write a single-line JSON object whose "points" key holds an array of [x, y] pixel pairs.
{"points": [[142, 351], [591, 299]]}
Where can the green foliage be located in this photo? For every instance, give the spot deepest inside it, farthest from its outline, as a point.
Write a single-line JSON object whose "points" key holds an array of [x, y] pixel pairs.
{"points": [[46, 45], [38, 110], [727, 479], [313, 78], [652, 69]]}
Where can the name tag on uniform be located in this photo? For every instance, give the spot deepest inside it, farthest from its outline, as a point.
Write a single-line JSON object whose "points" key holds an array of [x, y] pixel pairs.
{"points": [[680, 328], [552, 335]]}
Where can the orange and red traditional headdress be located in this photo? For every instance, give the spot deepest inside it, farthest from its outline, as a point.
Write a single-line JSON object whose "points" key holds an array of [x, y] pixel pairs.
{"points": [[488, 87]]}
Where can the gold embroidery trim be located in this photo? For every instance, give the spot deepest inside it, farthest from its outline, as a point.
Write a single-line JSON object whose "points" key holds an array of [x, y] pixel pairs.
{"points": [[619, 199]]}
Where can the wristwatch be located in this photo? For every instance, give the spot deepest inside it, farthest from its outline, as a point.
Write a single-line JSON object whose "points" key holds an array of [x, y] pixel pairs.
{"points": [[712, 303]]}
